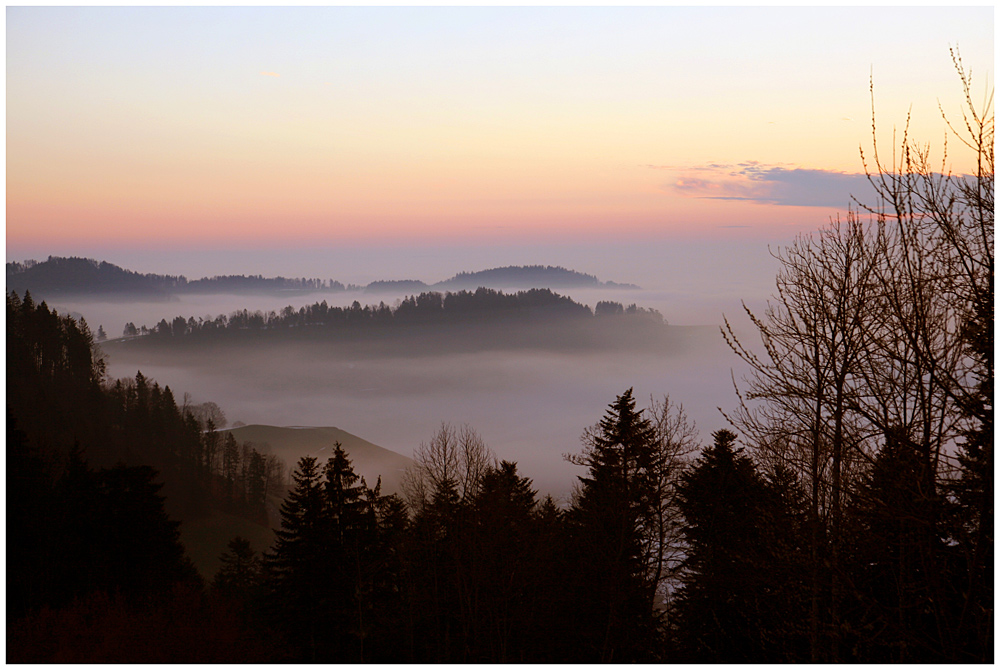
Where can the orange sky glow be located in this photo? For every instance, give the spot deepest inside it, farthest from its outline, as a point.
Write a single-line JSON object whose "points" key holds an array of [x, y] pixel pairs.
{"points": [[260, 126]]}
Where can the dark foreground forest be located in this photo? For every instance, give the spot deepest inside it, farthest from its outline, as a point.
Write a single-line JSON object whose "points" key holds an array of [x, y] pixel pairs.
{"points": [[847, 517], [660, 557]]}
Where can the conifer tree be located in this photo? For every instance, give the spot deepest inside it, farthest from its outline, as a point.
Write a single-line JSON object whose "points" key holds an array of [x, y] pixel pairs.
{"points": [[435, 618], [386, 643], [240, 573], [617, 497], [349, 537], [296, 570], [901, 566], [721, 604], [499, 562], [324, 569]]}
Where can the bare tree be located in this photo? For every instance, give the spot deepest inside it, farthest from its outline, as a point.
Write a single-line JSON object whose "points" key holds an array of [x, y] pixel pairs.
{"points": [[676, 443], [205, 412], [936, 278], [867, 342], [930, 382], [457, 454], [800, 392]]}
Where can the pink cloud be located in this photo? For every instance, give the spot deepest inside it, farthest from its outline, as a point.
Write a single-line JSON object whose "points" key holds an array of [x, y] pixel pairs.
{"points": [[768, 184]]}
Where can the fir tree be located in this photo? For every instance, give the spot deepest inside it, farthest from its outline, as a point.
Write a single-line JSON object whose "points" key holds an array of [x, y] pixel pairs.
{"points": [[240, 574], [349, 538], [617, 497], [295, 566], [720, 606]]}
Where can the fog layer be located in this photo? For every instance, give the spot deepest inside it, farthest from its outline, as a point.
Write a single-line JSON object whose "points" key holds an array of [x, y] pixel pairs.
{"points": [[530, 406]]}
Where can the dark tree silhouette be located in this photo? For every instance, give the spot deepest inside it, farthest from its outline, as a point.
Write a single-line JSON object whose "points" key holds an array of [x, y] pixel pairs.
{"points": [[901, 563], [327, 573], [618, 496], [240, 574], [721, 602], [499, 564], [295, 566]]}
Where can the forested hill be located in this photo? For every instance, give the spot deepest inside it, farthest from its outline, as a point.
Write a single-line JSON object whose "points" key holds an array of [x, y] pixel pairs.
{"points": [[485, 318], [527, 276], [63, 276], [85, 276]]}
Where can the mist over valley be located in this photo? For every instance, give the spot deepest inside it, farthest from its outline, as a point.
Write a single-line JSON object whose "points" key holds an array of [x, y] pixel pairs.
{"points": [[529, 406], [530, 389]]}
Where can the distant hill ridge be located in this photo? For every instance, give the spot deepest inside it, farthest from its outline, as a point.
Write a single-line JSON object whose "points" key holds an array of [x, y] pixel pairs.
{"points": [[86, 276], [528, 276]]}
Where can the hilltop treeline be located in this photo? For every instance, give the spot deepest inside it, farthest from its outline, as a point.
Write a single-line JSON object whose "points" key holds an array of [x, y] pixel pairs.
{"points": [[261, 284], [57, 276], [527, 276], [544, 275], [85, 276], [430, 308]]}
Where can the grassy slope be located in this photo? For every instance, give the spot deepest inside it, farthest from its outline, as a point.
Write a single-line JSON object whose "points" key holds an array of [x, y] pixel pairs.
{"points": [[290, 444], [206, 539]]}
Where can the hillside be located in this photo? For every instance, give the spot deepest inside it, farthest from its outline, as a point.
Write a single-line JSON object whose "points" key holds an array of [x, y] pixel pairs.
{"points": [[526, 276], [290, 443], [85, 276], [430, 322]]}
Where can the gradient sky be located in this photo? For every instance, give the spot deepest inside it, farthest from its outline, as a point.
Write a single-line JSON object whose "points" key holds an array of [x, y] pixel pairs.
{"points": [[178, 129]]}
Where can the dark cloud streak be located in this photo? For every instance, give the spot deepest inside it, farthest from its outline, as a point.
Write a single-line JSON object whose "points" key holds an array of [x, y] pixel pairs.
{"points": [[752, 181]]}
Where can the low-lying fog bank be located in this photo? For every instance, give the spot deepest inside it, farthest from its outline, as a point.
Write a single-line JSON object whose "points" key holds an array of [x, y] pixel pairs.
{"points": [[529, 406]]}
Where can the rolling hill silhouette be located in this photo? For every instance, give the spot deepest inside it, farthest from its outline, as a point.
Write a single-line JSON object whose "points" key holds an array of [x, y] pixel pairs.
{"points": [[290, 443], [86, 276]]}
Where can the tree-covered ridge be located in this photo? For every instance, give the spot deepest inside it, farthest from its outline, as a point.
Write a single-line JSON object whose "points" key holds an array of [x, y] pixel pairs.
{"points": [[260, 284], [73, 276], [85, 276], [57, 276], [527, 276], [431, 308]]}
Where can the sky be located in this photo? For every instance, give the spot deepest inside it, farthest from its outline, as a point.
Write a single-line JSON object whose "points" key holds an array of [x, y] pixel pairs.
{"points": [[402, 142]]}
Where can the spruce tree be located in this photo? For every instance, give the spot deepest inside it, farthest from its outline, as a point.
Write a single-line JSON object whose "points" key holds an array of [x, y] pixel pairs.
{"points": [[617, 497], [901, 565], [349, 538], [323, 568], [296, 571], [722, 601], [973, 491], [500, 563], [435, 619], [239, 576]]}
